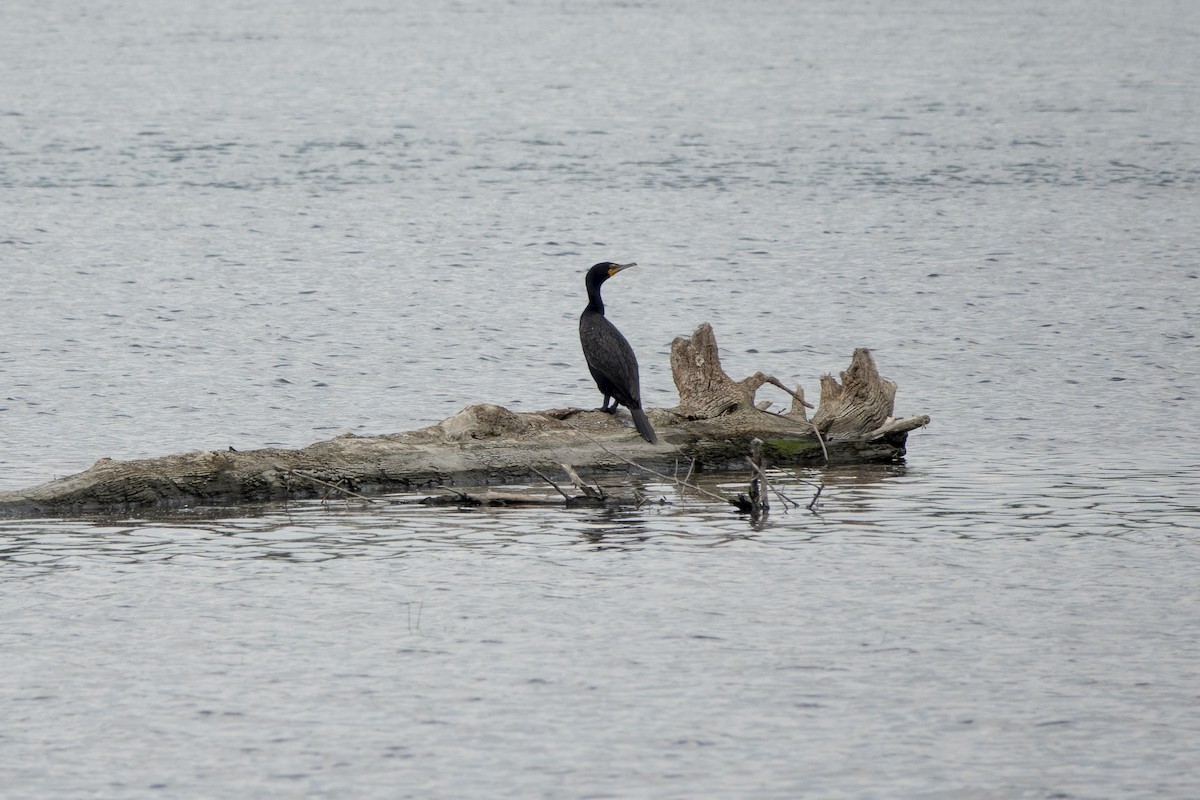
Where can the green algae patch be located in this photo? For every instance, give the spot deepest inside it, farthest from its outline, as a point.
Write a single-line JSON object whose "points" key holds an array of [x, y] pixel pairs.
{"points": [[791, 450]]}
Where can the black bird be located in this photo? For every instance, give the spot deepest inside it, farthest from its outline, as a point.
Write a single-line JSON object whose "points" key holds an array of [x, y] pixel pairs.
{"points": [[610, 359]]}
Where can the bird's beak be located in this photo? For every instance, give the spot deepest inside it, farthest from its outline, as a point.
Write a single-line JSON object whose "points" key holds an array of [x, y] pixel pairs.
{"points": [[615, 268]]}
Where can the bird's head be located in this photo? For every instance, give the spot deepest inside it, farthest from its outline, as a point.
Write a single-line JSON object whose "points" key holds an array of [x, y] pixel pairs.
{"points": [[601, 272]]}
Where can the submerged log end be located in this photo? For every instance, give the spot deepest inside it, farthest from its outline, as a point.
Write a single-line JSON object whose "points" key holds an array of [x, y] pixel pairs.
{"points": [[169, 481]]}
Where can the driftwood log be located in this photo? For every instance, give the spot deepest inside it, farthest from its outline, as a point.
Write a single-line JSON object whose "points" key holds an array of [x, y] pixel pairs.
{"points": [[484, 444]]}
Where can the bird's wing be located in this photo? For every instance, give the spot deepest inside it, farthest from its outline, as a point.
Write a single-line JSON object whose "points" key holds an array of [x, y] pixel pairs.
{"points": [[611, 360]]}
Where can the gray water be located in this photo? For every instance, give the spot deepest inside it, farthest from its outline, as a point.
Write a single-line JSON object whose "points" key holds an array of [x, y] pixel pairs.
{"points": [[250, 224]]}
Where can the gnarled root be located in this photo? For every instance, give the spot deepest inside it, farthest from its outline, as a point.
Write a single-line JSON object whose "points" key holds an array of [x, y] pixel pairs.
{"points": [[705, 391], [862, 402]]}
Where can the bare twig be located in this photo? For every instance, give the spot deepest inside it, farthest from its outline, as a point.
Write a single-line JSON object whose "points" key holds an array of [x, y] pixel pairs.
{"points": [[594, 492], [759, 500], [463, 497], [776, 382], [687, 479], [812, 506], [783, 498], [332, 486], [557, 488], [654, 472], [821, 440]]}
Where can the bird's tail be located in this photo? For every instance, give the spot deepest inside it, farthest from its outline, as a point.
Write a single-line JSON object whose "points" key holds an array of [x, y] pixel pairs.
{"points": [[643, 425]]}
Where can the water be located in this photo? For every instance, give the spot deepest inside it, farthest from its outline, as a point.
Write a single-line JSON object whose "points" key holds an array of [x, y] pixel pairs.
{"points": [[250, 225]]}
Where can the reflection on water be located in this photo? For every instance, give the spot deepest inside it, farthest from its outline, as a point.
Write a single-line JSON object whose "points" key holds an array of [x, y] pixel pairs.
{"points": [[391, 527], [864, 502], [318, 648]]}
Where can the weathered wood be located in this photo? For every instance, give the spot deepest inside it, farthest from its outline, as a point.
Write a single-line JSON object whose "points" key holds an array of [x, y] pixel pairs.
{"points": [[759, 500], [488, 445], [490, 498], [589, 491], [705, 391], [863, 401]]}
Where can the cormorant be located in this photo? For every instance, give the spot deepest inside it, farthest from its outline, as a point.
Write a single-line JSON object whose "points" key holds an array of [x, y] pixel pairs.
{"points": [[610, 359]]}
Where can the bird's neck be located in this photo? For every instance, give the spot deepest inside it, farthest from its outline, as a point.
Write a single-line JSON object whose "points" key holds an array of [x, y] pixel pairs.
{"points": [[595, 304]]}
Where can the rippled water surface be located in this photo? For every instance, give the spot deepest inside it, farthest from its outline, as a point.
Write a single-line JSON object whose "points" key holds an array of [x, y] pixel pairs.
{"points": [[253, 224]]}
